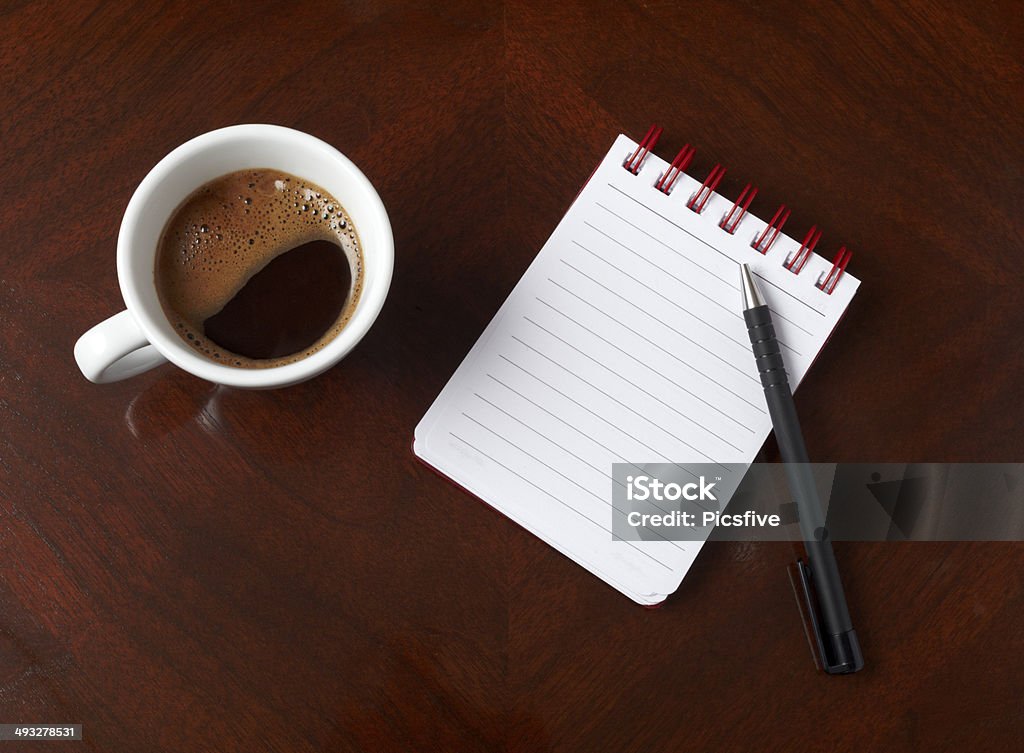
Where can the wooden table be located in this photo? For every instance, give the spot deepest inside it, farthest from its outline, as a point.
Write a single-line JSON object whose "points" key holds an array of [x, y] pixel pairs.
{"points": [[186, 567]]}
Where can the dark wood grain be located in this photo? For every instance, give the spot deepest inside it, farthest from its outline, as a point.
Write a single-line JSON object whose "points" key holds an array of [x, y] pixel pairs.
{"points": [[186, 567]]}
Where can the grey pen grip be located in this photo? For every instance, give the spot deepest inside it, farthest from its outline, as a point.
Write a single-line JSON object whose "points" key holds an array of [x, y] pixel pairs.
{"points": [[779, 397]]}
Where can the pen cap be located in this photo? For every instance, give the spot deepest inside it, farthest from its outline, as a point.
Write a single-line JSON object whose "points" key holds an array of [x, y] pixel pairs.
{"points": [[839, 652], [842, 653]]}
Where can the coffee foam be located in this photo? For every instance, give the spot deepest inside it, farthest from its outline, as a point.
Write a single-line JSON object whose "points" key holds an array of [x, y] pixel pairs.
{"points": [[231, 228]]}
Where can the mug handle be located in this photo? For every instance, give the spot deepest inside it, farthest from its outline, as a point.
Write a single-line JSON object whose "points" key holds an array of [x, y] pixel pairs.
{"points": [[115, 349]]}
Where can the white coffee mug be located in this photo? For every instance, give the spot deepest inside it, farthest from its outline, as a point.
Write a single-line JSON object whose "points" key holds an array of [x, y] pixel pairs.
{"points": [[141, 337]]}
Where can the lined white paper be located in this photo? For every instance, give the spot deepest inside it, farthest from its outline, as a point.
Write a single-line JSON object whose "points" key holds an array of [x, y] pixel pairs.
{"points": [[623, 342]]}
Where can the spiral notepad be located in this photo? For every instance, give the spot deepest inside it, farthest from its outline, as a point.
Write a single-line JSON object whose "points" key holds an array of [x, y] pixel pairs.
{"points": [[624, 342]]}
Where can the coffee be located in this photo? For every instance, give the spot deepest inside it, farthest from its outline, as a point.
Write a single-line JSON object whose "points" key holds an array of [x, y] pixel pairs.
{"points": [[259, 268]]}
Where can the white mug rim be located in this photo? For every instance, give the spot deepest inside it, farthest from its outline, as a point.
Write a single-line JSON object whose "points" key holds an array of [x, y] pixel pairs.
{"points": [[175, 349]]}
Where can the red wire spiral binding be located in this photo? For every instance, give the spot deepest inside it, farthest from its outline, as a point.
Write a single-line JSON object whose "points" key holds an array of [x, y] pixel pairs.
{"points": [[643, 149], [678, 166], [700, 199], [772, 231], [731, 221], [724, 224], [842, 258], [797, 261]]}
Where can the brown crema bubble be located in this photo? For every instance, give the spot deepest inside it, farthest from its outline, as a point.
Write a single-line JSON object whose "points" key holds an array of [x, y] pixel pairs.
{"points": [[259, 268]]}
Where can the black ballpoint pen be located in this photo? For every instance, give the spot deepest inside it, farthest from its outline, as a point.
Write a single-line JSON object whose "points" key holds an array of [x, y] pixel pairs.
{"points": [[830, 618]]}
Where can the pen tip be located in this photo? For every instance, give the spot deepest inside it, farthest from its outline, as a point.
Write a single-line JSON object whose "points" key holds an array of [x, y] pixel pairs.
{"points": [[751, 295]]}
